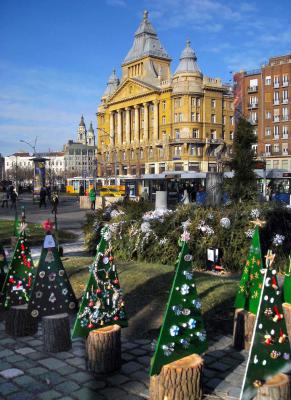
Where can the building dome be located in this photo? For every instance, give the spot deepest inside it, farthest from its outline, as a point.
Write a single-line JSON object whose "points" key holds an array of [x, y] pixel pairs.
{"points": [[112, 84], [188, 61]]}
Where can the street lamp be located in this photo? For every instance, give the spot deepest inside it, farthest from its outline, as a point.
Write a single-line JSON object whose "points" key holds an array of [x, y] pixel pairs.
{"points": [[30, 145]]}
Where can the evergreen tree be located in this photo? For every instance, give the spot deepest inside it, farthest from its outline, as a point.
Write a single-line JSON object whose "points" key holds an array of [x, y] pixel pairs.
{"points": [[20, 275], [287, 284], [3, 266], [270, 349], [250, 285], [102, 302], [244, 182], [182, 332], [52, 292]]}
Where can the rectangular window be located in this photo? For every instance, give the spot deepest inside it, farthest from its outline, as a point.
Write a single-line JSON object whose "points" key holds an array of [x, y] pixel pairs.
{"points": [[268, 80], [276, 131], [163, 120], [224, 120], [268, 115], [231, 135], [285, 80], [213, 134], [192, 150], [285, 163], [231, 120], [255, 148], [285, 131], [194, 166], [164, 105], [176, 117], [213, 103], [177, 102], [161, 152], [198, 117], [268, 131], [124, 155], [162, 167], [193, 117], [179, 166], [254, 117], [276, 148], [255, 131], [180, 117], [141, 154], [285, 148], [276, 98], [195, 133], [177, 134], [276, 81], [284, 113], [268, 149], [151, 153], [253, 83], [213, 118], [177, 150]]}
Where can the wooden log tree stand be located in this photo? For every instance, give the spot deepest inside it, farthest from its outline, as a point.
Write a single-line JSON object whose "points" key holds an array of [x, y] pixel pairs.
{"points": [[179, 380], [249, 324], [56, 333], [287, 315], [18, 322], [238, 338], [276, 388], [103, 349]]}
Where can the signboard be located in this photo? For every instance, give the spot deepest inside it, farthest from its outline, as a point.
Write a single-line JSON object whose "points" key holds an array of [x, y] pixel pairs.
{"points": [[39, 175], [173, 176], [286, 174]]}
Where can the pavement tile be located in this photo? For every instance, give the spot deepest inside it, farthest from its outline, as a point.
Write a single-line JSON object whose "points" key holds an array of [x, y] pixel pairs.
{"points": [[209, 373], [63, 355], [141, 376], [16, 358], [138, 352], [26, 364], [145, 360], [5, 365], [11, 373], [66, 370], [7, 388], [80, 377], [51, 378], [67, 387], [216, 353], [52, 363], [112, 393], [219, 366], [130, 367], [6, 353], [131, 397], [25, 381], [127, 356], [79, 352], [36, 371], [87, 394], [6, 341], [35, 342], [76, 362], [49, 395], [25, 350], [129, 346], [20, 396], [135, 387], [117, 379], [234, 391], [37, 356], [142, 341], [95, 384]]}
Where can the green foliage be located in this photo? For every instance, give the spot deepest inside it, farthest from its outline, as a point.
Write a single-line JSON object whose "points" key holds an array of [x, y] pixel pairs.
{"points": [[243, 185]]}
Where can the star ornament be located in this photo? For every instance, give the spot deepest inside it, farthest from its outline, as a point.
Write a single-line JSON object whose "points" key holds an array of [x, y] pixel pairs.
{"points": [[270, 258], [258, 222], [47, 225]]}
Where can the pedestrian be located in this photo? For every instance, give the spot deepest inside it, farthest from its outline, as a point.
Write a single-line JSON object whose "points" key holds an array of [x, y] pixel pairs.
{"points": [[92, 197], [81, 190], [13, 198], [48, 193], [185, 198], [42, 197], [5, 197], [55, 202]]}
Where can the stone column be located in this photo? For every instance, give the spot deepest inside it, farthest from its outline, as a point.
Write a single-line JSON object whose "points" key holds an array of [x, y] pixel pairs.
{"points": [[119, 127], [146, 122], [156, 121], [127, 125], [111, 129], [136, 123]]}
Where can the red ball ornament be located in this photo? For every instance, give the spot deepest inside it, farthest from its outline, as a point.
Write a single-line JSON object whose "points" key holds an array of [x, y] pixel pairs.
{"points": [[116, 318], [111, 258], [98, 291], [116, 281], [90, 325], [91, 304]]}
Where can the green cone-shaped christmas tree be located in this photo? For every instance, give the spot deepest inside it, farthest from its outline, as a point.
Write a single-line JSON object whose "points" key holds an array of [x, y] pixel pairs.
{"points": [[182, 332], [102, 302], [20, 276], [287, 284], [250, 285], [52, 292], [3, 266], [270, 348]]}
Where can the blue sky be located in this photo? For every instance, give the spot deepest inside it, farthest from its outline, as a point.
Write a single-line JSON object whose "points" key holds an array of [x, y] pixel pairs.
{"points": [[56, 55]]}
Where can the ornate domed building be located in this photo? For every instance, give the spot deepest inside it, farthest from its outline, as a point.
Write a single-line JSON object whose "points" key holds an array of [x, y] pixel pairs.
{"points": [[152, 121]]}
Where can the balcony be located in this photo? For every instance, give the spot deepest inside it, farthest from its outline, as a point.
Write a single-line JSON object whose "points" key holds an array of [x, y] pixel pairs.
{"points": [[253, 121], [253, 89], [285, 136], [276, 102], [285, 101], [276, 85], [285, 118], [276, 137], [186, 140], [267, 153], [253, 105], [285, 83], [276, 118], [215, 141]]}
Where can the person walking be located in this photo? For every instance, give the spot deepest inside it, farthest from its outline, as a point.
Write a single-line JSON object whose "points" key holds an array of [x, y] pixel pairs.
{"points": [[5, 197], [13, 198], [55, 202], [92, 197], [42, 197]]}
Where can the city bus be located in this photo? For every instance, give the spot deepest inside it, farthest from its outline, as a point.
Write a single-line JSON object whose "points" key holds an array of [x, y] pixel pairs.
{"points": [[103, 186]]}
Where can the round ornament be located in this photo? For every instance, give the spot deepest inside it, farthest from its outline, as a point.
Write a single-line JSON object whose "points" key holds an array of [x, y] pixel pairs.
{"points": [[52, 276], [192, 323], [61, 272], [72, 305], [225, 223], [105, 260], [38, 294], [174, 330], [188, 257], [185, 289], [34, 313], [41, 274], [64, 291]]}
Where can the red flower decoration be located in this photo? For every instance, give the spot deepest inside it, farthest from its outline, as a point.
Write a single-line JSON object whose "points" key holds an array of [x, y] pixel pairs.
{"points": [[47, 225]]}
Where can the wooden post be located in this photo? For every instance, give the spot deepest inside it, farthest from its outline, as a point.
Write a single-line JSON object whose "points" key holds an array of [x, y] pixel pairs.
{"points": [[287, 315], [179, 380], [276, 388], [238, 338], [249, 323], [103, 349], [56, 333], [19, 322]]}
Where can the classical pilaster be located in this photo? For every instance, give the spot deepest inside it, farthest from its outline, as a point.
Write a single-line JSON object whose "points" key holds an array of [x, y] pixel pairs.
{"points": [[119, 127], [127, 125], [156, 121], [111, 128], [136, 123], [146, 122]]}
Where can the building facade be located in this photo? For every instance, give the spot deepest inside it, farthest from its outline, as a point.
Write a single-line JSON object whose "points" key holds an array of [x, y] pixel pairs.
{"points": [[263, 96], [153, 121], [80, 156]]}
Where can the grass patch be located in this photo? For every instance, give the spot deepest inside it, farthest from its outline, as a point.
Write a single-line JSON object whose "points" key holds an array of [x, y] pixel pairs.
{"points": [[75, 265], [35, 233], [146, 289]]}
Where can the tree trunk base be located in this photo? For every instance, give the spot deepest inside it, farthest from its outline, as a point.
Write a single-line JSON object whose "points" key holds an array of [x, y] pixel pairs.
{"points": [[238, 337], [287, 315], [179, 380], [103, 349], [249, 324], [56, 333], [276, 388], [19, 322]]}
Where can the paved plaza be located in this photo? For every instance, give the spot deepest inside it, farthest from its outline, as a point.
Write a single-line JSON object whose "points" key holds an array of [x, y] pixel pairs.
{"points": [[28, 373]]}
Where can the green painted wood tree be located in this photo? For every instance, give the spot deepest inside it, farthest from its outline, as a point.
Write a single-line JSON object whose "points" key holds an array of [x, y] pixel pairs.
{"points": [[102, 302], [287, 284], [52, 292], [270, 349], [250, 284], [182, 332], [20, 276], [3, 266]]}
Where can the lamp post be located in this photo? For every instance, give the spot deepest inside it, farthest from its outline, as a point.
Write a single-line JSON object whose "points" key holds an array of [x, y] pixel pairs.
{"points": [[30, 145]]}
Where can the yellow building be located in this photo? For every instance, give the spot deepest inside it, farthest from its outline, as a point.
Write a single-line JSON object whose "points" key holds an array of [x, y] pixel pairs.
{"points": [[153, 121]]}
